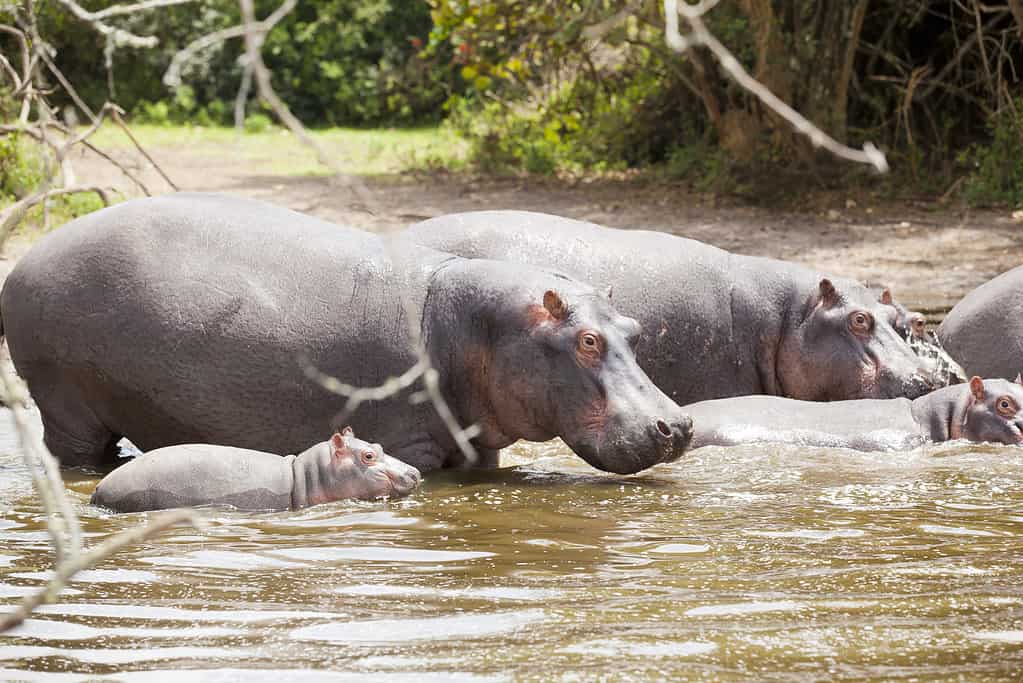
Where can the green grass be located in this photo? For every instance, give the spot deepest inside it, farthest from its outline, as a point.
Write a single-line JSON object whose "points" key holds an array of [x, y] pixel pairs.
{"points": [[276, 151]]}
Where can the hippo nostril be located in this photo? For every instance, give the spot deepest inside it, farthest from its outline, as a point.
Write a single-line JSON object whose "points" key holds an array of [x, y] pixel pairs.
{"points": [[663, 428]]}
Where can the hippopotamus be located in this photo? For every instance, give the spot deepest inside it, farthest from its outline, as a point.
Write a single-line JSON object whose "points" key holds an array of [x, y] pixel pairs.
{"points": [[912, 326], [199, 318], [984, 330], [715, 324], [909, 324], [187, 475], [982, 410]]}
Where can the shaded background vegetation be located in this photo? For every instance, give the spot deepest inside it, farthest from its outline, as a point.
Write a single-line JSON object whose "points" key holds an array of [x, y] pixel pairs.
{"points": [[560, 86]]}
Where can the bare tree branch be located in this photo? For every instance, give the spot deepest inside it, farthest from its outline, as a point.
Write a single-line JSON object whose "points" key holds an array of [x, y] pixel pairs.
{"points": [[62, 523], [13, 214], [118, 10], [421, 370], [116, 116], [700, 35], [118, 35]]}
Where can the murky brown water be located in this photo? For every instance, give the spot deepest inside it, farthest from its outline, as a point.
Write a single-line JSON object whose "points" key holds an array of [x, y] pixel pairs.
{"points": [[735, 564]]}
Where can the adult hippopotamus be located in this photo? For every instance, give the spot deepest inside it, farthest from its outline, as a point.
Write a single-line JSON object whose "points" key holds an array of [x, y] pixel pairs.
{"points": [[194, 318], [342, 468], [982, 410], [984, 331], [715, 324]]}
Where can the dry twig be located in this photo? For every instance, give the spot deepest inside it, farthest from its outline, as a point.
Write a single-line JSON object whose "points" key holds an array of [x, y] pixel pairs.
{"points": [[63, 525], [700, 35]]}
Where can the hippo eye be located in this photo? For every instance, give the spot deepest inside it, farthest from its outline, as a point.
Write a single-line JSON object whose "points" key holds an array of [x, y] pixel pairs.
{"points": [[861, 322], [589, 341], [369, 457], [1006, 406]]}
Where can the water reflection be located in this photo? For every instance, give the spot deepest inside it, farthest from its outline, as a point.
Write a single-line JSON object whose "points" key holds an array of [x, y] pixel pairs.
{"points": [[743, 563]]}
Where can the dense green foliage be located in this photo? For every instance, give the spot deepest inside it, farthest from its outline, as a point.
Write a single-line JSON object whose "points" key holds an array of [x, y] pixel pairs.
{"points": [[546, 92], [999, 163], [554, 86], [22, 166], [351, 62]]}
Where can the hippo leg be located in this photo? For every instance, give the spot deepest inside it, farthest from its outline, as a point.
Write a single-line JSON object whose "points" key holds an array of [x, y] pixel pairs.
{"points": [[72, 431]]}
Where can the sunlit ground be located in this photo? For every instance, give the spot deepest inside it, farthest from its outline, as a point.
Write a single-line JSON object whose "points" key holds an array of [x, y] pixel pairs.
{"points": [[277, 151]]}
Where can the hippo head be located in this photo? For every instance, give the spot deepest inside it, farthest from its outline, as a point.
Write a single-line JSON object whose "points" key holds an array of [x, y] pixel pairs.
{"points": [[909, 324], [563, 364], [994, 412], [841, 346], [360, 470]]}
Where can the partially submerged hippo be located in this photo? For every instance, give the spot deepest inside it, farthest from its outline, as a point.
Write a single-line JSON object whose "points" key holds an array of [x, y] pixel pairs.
{"points": [[984, 331], [909, 324], [342, 468], [714, 324], [912, 326], [982, 410], [190, 318]]}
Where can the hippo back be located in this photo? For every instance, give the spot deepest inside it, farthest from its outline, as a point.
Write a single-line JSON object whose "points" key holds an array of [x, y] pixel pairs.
{"points": [[864, 424], [189, 319], [706, 314], [199, 474], [984, 331]]}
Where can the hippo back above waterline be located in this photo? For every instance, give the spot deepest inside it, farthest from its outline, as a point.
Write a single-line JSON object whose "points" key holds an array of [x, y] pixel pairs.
{"points": [[715, 324], [196, 318], [984, 331], [988, 410], [341, 468]]}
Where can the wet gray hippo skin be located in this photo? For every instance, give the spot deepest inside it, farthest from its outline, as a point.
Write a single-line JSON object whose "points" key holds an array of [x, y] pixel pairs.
{"points": [[906, 322], [912, 326], [981, 410], [984, 331], [342, 468], [185, 319], [715, 324]]}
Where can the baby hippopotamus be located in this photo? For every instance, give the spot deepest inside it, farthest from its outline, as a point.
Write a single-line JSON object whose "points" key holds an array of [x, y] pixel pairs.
{"points": [[981, 410], [201, 474]]}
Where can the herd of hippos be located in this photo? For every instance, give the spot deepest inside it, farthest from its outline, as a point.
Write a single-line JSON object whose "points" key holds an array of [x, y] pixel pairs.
{"points": [[189, 324]]}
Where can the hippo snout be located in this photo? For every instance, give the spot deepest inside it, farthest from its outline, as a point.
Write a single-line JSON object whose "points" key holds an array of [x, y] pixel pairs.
{"points": [[672, 436], [405, 481]]}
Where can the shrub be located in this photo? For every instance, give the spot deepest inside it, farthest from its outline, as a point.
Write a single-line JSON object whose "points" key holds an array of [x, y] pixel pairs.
{"points": [[998, 165], [257, 123], [22, 166], [154, 113]]}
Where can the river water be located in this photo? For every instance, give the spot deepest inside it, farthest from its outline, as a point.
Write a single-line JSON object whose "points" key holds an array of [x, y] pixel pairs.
{"points": [[748, 563]]}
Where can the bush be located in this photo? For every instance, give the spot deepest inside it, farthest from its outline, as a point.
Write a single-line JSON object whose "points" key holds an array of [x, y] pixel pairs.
{"points": [[998, 174], [153, 113], [22, 166], [350, 62], [257, 123]]}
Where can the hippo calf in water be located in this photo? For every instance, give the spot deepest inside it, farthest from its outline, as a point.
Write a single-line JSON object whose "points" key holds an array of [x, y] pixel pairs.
{"points": [[982, 410], [202, 474], [912, 326]]}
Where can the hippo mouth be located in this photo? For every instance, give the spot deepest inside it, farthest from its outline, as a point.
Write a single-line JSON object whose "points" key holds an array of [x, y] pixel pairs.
{"points": [[1017, 431], [400, 485]]}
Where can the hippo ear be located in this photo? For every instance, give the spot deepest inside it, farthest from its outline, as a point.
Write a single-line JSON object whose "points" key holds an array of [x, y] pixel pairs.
{"points": [[554, 305], [339, 446], [347, 431], [977, 387], [886, 297], [827, 295]]}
